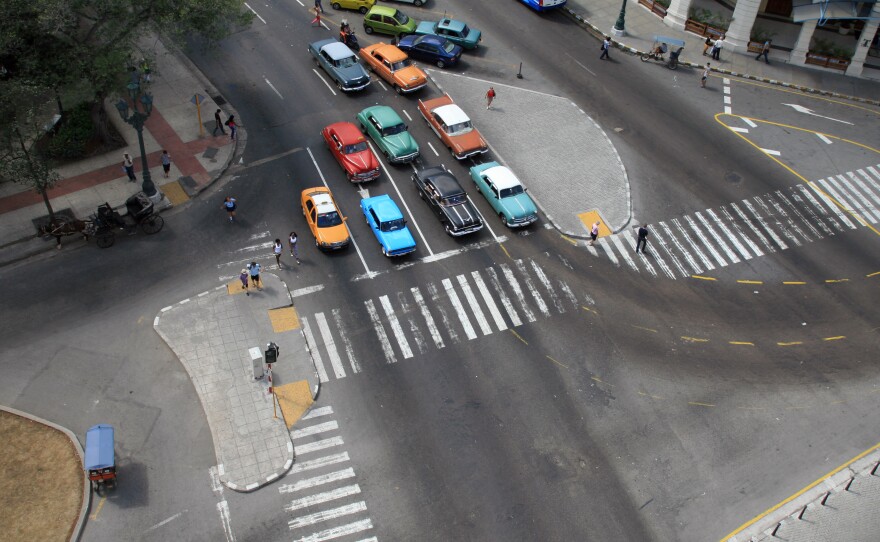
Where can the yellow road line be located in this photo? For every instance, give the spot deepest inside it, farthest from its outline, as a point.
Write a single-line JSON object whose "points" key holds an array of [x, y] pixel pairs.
{"points": [[515, 334], [751, 408], [644, 328], [702, 277], [695, 403], [833, 281], [599, 380], [649, 395], [588, 309], [569, 239], [793, 282], [799, 493], [505, 251], [556, 362], [790, 344], [741, 343], [874, 274], [694, 339], [98, 509], [839, 337], [750, 281]]}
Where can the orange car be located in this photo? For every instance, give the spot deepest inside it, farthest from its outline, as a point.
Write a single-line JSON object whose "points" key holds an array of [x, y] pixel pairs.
{"points": [[324, 219], [453, 127], [394, 66]]}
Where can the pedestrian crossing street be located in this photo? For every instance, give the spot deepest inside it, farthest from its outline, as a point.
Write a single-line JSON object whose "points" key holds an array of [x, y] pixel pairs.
{"points": [[326, 498], [450, 311], [753, 227]]}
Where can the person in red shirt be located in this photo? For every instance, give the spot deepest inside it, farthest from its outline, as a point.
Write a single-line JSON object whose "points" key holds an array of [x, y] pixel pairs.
{"points": [[489, 97]]}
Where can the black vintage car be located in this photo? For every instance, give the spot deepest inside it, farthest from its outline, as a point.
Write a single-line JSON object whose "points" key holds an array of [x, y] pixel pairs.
{"points": [[448, 200]]}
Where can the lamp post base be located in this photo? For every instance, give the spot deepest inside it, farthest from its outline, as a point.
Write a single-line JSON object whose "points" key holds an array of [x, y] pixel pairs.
{"points": [[618, 33], [159, 200]]}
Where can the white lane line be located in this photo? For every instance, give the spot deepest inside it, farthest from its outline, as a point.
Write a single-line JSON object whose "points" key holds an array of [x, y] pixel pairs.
{"points": [[505, 301], [738, 129], [429, 320], [485, 222], [332, 425], [255, 13], [705, 240], [772, 152], [330, 345], [414, 328], [717, 238], [740, 235], [273, 87], [299, 292], [313, 349], [728, 110], [624, 253], [318, 412], [433, 149], [380, 332], [223, 508], [336, 532], [727, 98], [866, 205], [459, 309], [536, 295], [381, 84], [346, 342], [819, 213], [796, 211], [406, 115], [680, 229], [302, 466], [326, 515], [581, 65], [514, 284], [164, 522], [749, 122], [317, 446], [568, 293], [317, 481], [776, 239], [461, 250], [489, 301], [788, 219], [630, 239], [475, 306], [395, 327], [675, 261], [371, 539], [823, 138], [548, 285], [326, 84], [321, 498], [434, 292], [606, 246]]}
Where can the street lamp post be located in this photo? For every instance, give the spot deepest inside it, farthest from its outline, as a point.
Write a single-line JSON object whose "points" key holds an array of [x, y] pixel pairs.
{"points": [[619, 28], [136, 119]]}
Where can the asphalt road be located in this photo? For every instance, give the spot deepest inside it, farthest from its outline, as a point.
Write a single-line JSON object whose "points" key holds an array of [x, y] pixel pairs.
{"points": [[649, 409]]}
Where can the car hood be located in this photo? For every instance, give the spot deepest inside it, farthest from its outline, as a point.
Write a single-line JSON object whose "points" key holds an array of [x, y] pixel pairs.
{"points": [[397, 240], [400, 144], [519, 206], [425, 27], [360, 162], [333, 234], [353, 74], [410, 76], [469, 141], [462, 216], [473, 36]]}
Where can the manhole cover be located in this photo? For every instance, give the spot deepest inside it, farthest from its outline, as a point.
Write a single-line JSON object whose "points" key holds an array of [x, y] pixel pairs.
{"points": [[733, 177]]}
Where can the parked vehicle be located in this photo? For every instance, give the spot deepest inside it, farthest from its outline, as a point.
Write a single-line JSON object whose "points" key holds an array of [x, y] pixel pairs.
{"points": [[544, 5], [360, 5], [455, 31], [445, 196], [429, 48], [100, 457], [388, 225], [660, 47], [416, 3], [341, 64], [395, 67], [505, 193], [453, 127], [139, 213], [386, 20], [388, 131], [324, 219], [351, 151]]}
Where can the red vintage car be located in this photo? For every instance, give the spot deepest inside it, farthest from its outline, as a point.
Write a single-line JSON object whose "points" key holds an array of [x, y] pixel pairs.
{"points": [[349, 146]]}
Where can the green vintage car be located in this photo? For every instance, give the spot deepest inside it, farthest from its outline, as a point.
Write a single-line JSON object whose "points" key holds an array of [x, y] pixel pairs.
{"points": [[391, 21], [387, 130], [505, 194]]}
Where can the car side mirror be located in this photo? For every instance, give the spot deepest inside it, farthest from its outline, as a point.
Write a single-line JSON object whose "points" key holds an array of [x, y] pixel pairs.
{"points": [[345, 219]]}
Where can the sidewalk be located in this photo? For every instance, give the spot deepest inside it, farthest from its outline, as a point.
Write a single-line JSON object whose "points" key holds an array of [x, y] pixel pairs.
{"points": [[197, 159]]}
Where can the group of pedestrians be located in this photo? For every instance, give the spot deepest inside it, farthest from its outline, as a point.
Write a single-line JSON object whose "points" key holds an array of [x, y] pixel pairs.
{"points": [[128, 165], [250, 275], [230, 123]]}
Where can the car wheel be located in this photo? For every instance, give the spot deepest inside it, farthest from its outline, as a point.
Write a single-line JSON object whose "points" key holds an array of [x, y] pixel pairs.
{"points": [[418, 3], [398, 90], [363, 128], [503, 220], [363, 10], [368, 29], [339, 85], [384, 251], [441, 64], [335, 5]]}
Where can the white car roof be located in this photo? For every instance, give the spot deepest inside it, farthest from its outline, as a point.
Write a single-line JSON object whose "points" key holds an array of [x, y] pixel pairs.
{"points": [[337, 50], [323, 202], [451, 114], [502, 177]]}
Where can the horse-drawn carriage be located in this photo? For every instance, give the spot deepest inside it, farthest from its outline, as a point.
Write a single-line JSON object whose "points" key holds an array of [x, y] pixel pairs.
{"points": [[107, 221]]}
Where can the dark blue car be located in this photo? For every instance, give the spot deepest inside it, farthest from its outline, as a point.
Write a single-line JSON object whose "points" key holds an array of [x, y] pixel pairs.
{"points": [[434, 49]]}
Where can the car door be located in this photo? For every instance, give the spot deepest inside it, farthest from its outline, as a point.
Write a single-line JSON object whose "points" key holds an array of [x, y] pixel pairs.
{"points": [[426, 51], [309, 213]]}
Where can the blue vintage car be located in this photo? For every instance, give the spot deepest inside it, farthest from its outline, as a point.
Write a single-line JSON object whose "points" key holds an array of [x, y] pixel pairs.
{"points": [[341, 64], [505, 194], [455, 31], [388, 225], [429, 48]]}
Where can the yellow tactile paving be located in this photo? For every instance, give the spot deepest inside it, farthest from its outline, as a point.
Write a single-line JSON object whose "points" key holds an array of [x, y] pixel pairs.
{"points": [[590, 217], [284, 319], [175, 193], [295, 398], [234, 287]]}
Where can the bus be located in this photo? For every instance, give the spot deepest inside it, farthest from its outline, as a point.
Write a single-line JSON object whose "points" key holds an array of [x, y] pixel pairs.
{"points": [[544, 5]]}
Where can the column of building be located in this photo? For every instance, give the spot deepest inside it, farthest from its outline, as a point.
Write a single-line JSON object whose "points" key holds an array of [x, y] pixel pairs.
{"points": [[677, 13], [857, 63]]}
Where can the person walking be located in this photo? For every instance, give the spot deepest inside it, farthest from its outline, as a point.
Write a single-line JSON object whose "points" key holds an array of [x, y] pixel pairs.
{"points": [[317, 18], [606, 46], [705, 75], [229, 205], [764, 52], [254, 270], [707, 44], [594, 233], [166, 162], [218, 123], [243, 277], [128, 167], [294, 251], [716, 48], [490, 97], [642, 238], [319, 6], [277, 249], [232, 126]]}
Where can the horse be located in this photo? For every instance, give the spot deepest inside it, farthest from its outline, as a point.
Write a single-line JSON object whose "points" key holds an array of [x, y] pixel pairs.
{"points": [[62, 227]]}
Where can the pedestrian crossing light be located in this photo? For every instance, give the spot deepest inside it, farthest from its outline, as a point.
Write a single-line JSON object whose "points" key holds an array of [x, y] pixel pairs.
{"points": [[271, 353]]}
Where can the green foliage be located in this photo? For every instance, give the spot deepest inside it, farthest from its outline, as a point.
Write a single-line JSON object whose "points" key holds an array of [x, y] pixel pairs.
{"points": [[760, 34], [709, 17], [822, 46], [76, 130], [664, 3]]}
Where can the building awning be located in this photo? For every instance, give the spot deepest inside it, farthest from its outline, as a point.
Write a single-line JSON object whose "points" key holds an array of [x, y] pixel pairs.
{"points": [[825, 10]]}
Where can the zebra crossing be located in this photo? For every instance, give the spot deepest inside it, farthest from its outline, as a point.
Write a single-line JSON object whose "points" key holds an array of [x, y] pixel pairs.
{"points": [[326, 498], [750, 228], [453, 310]]}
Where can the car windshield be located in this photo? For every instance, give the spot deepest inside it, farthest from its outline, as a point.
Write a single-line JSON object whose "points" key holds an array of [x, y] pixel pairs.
{"points": [[329, 219], [448, 46], [464, 32], [393, 225], [405, 63], [346, 62], [357, 147], [394, 130], [456, 199], [512, 191], [401, 18], [460, 128]]}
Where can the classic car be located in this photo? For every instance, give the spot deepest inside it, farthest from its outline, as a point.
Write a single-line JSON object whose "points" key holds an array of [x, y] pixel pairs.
{"points": [[438, 51], [544, 5], [440, 189], [385, 20], [341, 64], [349, 146], [416, 3], [505, 193], [324, 219], [394, 66], [453, 127], [454, 31], [390, 134], [388, 225], [360, 5]]}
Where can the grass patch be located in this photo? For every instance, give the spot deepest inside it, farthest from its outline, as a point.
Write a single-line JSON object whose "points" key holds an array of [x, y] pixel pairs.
{"points": [[41, 481]]}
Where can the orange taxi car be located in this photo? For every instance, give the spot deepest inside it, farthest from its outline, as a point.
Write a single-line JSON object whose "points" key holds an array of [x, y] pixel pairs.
{"points": [[453, 127], [394, 66], [324, 219]]}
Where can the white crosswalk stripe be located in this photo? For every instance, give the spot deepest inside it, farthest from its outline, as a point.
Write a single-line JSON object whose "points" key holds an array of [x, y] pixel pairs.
{"points": [[853, 192], [624, 253], [836, 208], [380, 332], [475, 306], [606, 247], [414, 329], [857, 180], [487, 299], [336, 532], [793, 209], [530, 286], [791, 225], [756, 231], [518, 292], [395, 327], [330, 345], [346, 342], [705, 241], [317, 446], [666, 242], [426, 315], [801, 200], [459, 310], [739, 241], [832, 190], [320, 498], [313, 349], [630, 239], [505, 301], [764, 225], [314, 429], [545, 281], [447, 323], [717, 238], [323, 479], [687, 239]]}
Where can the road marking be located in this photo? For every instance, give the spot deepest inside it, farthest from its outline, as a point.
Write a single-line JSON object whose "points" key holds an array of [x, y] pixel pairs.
{"points": [[799, 195], [273, 87], [717, 238], [631, 240], [754, 230], [624, 253], [776, 239], [313, 349], [700, 277], [542, 277], [489, 301], [671, 254], [330, 345], [749, 122], [402, 201], [772, 152], [255, 13], [429, 320], [475, 306], [336, 532], [793, 208], [432, 148], [557, 363], [569, 294], [164, 522], [505, 301], [865, 188], [750, 281], [794, 343], [459, 310], [317, 446], [346, 343], [781, 212], [325, 515], [435, 297], [823, 138], [694, 339], [314, 429], [695, 403], [98, 509], [323, 81], [802, 109], [395, 327], [317, 481], [518, 292], [867, 205], [299, 292], [741, 343], [380, 332], [738, 129], [302, 466], [740, 235], [542, 306], [606, 246], [706, 263], [320, 498], [406, 114], [581, 65], [793, 283], [223, 509]]}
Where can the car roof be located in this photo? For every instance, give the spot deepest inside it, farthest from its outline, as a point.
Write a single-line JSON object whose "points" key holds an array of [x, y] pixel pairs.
{"points": [[384, 115], [429, 38], [323, 202], [451, 114], [501, 177], [445, 183], [348, 133], [382, 10], [337, 50], [390, 52], [451, 24], [385, 208]]}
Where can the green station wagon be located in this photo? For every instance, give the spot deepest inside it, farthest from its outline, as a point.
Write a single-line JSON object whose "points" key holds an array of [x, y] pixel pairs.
{"points": [[387, 129], [391, 21], [505, 194]]}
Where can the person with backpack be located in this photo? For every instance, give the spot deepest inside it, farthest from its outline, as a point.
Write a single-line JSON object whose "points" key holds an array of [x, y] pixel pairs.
{"points": [[606, 46], [254, 270]]}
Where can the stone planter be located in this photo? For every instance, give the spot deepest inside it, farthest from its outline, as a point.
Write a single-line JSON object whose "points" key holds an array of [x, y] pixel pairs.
{"points": [[703, 29], [654, 7], [827, 61]]}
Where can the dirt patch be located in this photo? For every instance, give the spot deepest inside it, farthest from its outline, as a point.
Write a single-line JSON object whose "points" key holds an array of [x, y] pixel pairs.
{"points": [[41, 481]]}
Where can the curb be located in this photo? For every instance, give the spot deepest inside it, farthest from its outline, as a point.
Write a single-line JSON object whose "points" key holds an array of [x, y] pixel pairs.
{"points": [[632, 50], [87, 488]]}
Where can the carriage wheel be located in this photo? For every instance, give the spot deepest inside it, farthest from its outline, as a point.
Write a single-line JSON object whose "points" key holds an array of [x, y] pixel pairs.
{"points": [[152, 224], [105, 240]]}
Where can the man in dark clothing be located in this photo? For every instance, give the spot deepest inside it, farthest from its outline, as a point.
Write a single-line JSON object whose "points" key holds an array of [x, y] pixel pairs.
{"points": [[218, 124], [643, 239]]}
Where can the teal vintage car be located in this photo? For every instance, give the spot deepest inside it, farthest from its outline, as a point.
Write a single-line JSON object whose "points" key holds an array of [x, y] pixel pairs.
{"points": [[388, 131], [455, 31], [505, 193]]}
